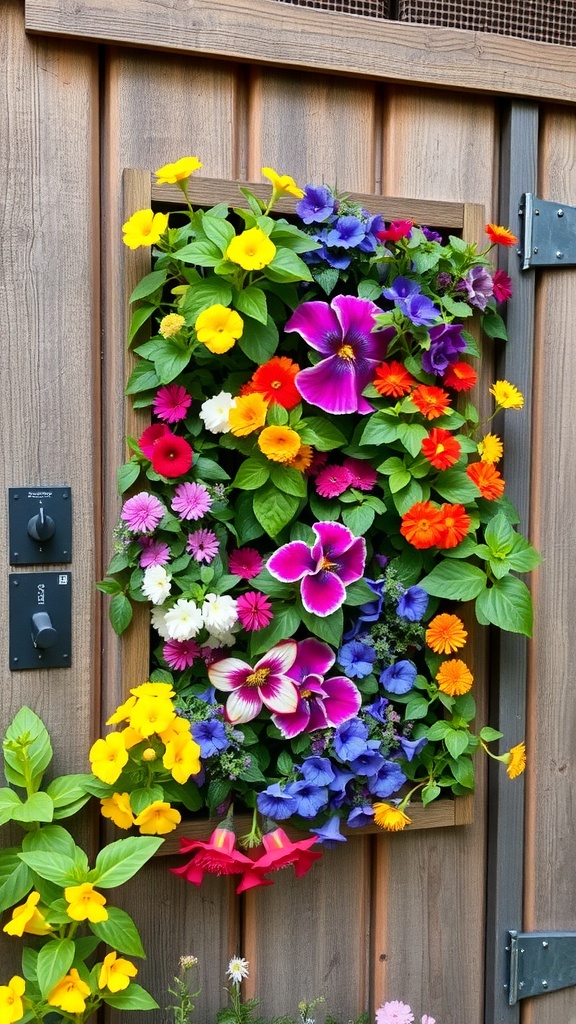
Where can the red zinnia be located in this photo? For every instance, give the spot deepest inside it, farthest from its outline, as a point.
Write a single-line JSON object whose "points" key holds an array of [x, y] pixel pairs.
{"points": [[423, 525], [487, 478], [499, 235], [218, 856], [275, 382], [460, 376], [455, 525], [398, 229], [171, 455], [431, 401], [254, 610], [393, 379], [441, 448], [502, 286], [148, 438], [280, 852]]}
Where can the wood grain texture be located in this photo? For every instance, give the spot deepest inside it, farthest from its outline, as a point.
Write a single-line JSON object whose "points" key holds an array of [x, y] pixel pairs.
{"points": [[270, 33]]}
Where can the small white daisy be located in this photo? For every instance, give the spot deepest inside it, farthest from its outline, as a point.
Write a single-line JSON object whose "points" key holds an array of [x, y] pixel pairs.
{"points": [[237, 969]]}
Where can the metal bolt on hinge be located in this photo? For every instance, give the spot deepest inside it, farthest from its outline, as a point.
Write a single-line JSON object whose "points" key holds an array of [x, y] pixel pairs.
{"points": [[560, 213], [559, 255]]}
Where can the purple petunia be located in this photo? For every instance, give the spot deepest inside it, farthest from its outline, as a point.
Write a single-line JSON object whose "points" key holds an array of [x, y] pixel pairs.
{"points": [[387, 780], [399, 677], [310, 799], [347, 232], [412, 747], [446, 343], [317, 204], [336, 559], [317, 770], [329, 834], [407, 297], [360, 816], [479, 287], [276, 803], [351, 739], [210, 736], [413, 604]]}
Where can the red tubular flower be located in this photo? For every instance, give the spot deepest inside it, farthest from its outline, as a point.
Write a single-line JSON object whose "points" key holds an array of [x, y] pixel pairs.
{"points": [[280, 852], [217, 856], [440, 448], [398, 229], [171, 455]]}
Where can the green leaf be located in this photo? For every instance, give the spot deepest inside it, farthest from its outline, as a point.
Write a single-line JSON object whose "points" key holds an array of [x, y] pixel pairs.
{"points": [[328, 628], [455, 486], [120, 932], [268, 585], [132, 998], [429, 793], [203, 254], [459, 309], [142, 378], [455, 581], [417, 707], [171, 361], [507, 604], [411, 436], [287, 266], [56, 867], [218, 230], [252, 302], [284, 624], [9, 801], [368, 289], [273, 509], [119, 861], [493, 325], [120, 613], [499, 536], [523, 557], [26, 746], [54, 959], [139, 318], [127, 475], [326, 277], [380, 429], [212, 291], [251, 475], [456, 742], [16, 879], [489, 735], [51, 839], [463, 772], [358, 593], [207, 469], [285, 763], [358, 519], [321, 433], [37, 807], [259, 341], [68, 789], [398, 480], [149, 284], [291, 481]]}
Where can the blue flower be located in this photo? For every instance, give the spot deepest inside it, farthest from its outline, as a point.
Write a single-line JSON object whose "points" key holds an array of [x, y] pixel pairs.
{"points": [[371, 610], [412, 747], [347, 232], [350, 739], [407, 297], [329, 834], [413, 604], [429, 234], [317, 205], [317, 770], [276, 803], [387, 780], [210, 736], [399, 677], [340, 781], [371, 227], [357, 659], [360, 816], [377, 709], [370, 761], [309, 799]]}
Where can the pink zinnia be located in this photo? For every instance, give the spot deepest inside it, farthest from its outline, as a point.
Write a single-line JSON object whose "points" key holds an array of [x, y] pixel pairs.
{"points": [[203, 545], [394, 1012], [191, 501], [171, 455], [172, 403], [142, 513], [332, 481], [154, 552], [502, 286], [180, 654], [245, 563], [364, 477], [148, 438], [254, 610]]}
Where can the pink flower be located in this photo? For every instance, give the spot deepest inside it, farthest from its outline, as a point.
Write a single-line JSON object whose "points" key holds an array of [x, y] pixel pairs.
{"points": [[394, 1012], [398, 229], [142, 513], [280, 852], [364, 477], [191, 501], [154, 552], [321, 702], [180, 654], [336, 559], [502, 286], [319, 460], [245, 563], [427, 1019], [249, 688], [332, 481], [254, 610], [203, 545], [171, 456], [171, 403], [148, 438]]}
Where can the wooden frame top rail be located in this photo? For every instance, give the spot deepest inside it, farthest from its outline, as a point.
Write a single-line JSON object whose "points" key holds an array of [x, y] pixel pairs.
{"points": [[313, 40]]}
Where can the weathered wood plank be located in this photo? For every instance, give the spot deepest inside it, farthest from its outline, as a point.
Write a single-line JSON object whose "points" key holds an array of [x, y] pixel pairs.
{"points": [[271, 33]]}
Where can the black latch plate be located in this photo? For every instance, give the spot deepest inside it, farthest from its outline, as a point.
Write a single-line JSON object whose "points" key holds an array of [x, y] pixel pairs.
{"points": [[23, 504], [548, 233], [540, 962], [32, 592]]}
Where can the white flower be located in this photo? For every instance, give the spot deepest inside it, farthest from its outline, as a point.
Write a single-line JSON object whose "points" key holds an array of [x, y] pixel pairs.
{"points": [[156, 584], [219, 613], [159, 622], [187, 961], [215, 411], [183, 620], [217, 640], [237, 969]]}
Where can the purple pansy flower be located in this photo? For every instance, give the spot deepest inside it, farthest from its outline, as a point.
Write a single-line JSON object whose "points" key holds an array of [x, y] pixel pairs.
{"points": [[430, 235], [407, 297], [446, 343], [343, 332], [413, 604], [336, 559], [359, 816], [399, 677], [377, 709], [321, 702], [317, 204], [250, 688], [479, 287], [373, 224]]}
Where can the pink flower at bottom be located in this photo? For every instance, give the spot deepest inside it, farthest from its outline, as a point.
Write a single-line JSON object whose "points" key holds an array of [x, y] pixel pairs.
{"points": [[426, 1019], [394, 1012], [254, 610], [154, 552]]}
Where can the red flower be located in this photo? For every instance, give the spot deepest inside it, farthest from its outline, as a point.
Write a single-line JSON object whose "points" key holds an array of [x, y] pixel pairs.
{"points": [[393, 379], [440, 448], [218, 856], [171, 455], [422, 525], [460, 376], [487, 478], [275, 382], [430, 401], [398, 229], [502, 286], [148, 438], [280, 852], [455, 525]]}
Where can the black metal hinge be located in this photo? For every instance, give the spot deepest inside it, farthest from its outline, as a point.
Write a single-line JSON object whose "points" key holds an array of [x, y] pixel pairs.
{"points": [[540, 962], [548, 233]]}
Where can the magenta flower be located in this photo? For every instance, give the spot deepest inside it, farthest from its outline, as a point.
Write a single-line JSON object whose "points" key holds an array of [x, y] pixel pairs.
{"points": [[321, 702], [343, 332], [191, 501], [142, 513], [364, 476], [250, 688], [172, 403], [333, 481], [148, 438], [336, 559], [180, 654], [203, 545], [154, 552], [245, 563], [254, 610]]}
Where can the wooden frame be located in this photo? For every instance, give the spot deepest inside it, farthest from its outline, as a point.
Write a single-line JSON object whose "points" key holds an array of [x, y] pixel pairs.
{"points": [[312, 40], [139, 193]]}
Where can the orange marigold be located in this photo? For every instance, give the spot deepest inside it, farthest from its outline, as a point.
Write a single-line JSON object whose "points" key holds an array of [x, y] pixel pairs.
{"points": [[487, 479], [430, 401], [454, 677], [440, 448], [303, 458], [499, 235], [280, 444], [275, 382], [392, 379], [422, 525], [516, 760], [460, 377], [455, 525], [445, 633], [390, 818], [248, 414]]}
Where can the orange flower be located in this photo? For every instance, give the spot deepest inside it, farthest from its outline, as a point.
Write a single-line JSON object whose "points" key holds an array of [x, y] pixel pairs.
{"points": [[430, 401], [422, 525], [275, 382], [499, 235], [487, 479], [393, 379], [441, 448], [454, 677], [516, 760], [455, 525], [302, 460], [280, 444], [445, 633], [390, 818], [460, 377], [247, 415]]}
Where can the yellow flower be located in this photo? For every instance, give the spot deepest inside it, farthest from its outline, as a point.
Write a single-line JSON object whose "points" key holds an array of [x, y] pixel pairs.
{"points": [[176, 728], [171, 324], [516, 760], [108, 757], [144, 228], [69, 994], [122, 713], [248, 414], [390, 818], [149, 754], [279, 444], [282, 183], [507, 395], [170, 174], [152, 714], [117, 808], [454, 677], [490, 448], [302, 459], [157, 819], [27, 918], [445, 633], [182, 758], [85, 904], [252, 250], [219, 328], [131, 737], [154, 690], [115, 972], [11, 1008]]}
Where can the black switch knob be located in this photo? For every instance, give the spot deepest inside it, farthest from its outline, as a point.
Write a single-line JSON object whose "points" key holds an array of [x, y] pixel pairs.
{"points": [[43, 633], [41, 527]]}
